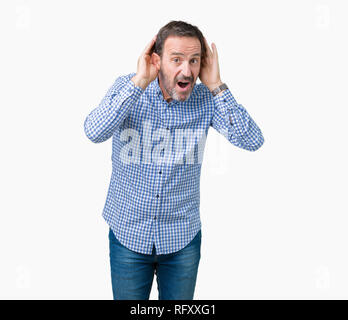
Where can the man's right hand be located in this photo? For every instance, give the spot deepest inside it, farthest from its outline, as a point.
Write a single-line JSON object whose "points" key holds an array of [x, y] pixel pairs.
{"points": [[147, 71]]}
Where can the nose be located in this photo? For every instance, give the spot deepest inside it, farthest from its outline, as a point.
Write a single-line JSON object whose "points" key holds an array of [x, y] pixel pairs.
{"points": [[186, 70]]}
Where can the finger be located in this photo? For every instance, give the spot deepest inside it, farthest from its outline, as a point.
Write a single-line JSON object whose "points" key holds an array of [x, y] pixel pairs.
{"points": [[209, 52], [215, 53], [149, 46]]}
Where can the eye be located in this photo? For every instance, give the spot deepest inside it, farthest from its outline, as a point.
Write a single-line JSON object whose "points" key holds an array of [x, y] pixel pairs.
{"points": [[195, 59], [176, 59]]}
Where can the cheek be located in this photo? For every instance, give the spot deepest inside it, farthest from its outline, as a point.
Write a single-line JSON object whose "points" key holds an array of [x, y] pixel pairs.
{"points": [[169, 71]]}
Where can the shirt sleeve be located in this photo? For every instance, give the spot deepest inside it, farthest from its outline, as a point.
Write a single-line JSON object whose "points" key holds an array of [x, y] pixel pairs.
{"points": [[101, 123], [233, 121]]}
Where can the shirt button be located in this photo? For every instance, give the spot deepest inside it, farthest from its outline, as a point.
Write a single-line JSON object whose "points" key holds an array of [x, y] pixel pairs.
{"points": [[157, 195], [224, 100], [160, 172], [167, 128]]}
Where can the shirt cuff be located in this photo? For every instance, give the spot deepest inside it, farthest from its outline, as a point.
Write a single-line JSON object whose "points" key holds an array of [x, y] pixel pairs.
{"points": [[226, 98], [234, 113]]}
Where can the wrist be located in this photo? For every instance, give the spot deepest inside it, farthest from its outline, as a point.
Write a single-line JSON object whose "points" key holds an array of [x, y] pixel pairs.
{"points": [[139, 82], [214, 85], [219, 89]]}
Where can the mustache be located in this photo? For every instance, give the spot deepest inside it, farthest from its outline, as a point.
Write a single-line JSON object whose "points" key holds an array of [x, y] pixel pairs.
{"points": [[185, 79]]}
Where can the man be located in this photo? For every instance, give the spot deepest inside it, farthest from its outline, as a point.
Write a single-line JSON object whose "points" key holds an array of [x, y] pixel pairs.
{"points": [[158, 119]]}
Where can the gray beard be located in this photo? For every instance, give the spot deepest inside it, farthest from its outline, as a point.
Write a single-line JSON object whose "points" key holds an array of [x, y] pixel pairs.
{"points": [[173, 93]]}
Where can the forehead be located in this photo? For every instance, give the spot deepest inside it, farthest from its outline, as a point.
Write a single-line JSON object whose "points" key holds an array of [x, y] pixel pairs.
{"points": [[186, 45]]}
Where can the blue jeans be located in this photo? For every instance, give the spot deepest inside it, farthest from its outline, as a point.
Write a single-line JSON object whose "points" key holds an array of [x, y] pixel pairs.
{"points": [[132, 273]]}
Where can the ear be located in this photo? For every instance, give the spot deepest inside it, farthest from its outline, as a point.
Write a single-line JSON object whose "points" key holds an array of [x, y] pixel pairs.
{"points": [[156, 60]]}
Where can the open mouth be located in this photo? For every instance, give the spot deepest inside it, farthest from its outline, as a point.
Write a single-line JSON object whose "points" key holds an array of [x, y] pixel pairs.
{"points": [[184, 85]]}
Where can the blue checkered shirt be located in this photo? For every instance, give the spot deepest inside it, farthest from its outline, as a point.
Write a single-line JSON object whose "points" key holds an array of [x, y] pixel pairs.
{"points": [[156, 203]]}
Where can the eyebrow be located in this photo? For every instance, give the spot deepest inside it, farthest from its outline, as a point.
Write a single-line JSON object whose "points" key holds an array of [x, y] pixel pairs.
{"points": [[181, 54]]}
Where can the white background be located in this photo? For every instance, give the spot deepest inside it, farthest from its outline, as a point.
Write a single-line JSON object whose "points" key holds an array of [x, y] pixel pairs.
{"points": [[274, 221]]}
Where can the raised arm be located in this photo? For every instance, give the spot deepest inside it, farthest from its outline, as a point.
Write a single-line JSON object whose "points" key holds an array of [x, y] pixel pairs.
{"points": [[233, 121], [229, 118], [102, 122]]}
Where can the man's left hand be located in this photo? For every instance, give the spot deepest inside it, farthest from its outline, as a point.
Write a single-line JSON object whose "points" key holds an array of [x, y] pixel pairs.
{"points": [[210, 73]]}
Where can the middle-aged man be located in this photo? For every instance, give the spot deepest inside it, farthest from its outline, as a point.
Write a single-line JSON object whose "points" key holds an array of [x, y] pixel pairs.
{"points": [[158, 119]]}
